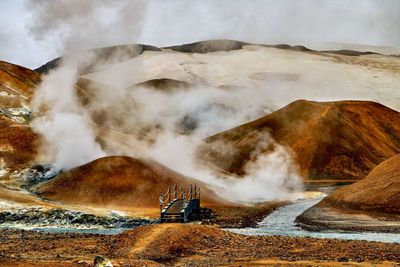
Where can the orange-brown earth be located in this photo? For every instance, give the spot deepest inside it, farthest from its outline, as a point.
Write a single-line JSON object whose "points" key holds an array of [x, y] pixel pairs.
{"points": [[188, 245], [120, 182], [133, 186], [18, 145], [18, 142], [379, 191], [371, 204], [330, 140], [17, 81]]}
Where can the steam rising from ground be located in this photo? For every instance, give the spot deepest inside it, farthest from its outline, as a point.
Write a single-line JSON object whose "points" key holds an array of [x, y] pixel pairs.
{"points": [[166, 125], [68, 137], [169, 125]]}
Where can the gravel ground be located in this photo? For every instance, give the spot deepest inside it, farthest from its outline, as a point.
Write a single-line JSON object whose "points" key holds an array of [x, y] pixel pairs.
{"points": [[187, 245]]}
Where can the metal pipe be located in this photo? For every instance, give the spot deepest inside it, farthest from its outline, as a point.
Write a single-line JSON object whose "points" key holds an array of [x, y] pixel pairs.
{"points": [[175, 191], [161, 201], [190, 192]]}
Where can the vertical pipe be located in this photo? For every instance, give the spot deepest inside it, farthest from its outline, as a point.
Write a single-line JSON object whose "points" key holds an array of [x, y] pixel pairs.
{"points": [[161, 201], [175, 191]]}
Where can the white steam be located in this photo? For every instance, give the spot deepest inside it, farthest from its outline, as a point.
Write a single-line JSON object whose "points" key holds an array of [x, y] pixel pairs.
{"points": [[167, 125], [68, 137]]}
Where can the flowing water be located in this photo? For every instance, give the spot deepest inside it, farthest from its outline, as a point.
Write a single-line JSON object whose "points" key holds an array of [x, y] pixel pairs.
{"points": [[282, 222], [56, 229]]}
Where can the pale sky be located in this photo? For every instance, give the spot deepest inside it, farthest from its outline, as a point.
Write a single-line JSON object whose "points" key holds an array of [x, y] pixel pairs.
{"points": [[35, 31]]}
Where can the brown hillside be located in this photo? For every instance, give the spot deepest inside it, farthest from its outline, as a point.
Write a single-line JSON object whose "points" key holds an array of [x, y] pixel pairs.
{"points": [[335, 140], [379, 191], [120, 182], [17, 80], [18, 142]]}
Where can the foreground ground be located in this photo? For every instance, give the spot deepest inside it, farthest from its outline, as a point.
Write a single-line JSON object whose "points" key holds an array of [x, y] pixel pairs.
{"points": [[243, 216], [188, 245]]}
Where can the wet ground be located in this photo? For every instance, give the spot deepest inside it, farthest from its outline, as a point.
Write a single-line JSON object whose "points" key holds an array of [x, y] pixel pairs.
{"points": [[283, 222]]}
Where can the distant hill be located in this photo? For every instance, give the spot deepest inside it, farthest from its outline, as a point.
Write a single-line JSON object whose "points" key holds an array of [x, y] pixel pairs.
{"points": [[114, 53], [330, 140], [118, 182], [110, 54]]}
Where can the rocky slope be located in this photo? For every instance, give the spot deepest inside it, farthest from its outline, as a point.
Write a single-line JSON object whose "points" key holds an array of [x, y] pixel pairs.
{"points": [[17, 82], [379, 191], [18, 142], [371, 204], [330, 140]]}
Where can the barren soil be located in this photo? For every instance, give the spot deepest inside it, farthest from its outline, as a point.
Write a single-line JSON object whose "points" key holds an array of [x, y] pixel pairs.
{"points": [[188, 245]]}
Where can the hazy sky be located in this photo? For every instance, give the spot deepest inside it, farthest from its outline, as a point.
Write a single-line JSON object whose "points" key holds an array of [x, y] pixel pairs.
{"points": [[35, 31]]}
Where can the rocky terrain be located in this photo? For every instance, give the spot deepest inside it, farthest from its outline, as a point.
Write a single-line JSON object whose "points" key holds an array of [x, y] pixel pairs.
{"points": [[379, 191], [188, 245], [342, 140], [19, 143], [330, 140], [369, 204]]}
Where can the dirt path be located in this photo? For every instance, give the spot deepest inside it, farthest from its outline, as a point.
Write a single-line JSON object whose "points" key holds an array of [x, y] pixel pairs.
{"points": [[326, 111], [148, 237]]}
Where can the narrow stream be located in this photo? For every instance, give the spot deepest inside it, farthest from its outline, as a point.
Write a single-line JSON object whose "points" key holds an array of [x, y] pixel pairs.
{"points": [[282, 222], [57, 229], [67, 221]]}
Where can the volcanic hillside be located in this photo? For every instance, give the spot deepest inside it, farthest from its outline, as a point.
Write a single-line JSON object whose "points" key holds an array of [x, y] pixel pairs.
{"points": [[118, 181], [16, 83], [330, 140], [18, 142], [279, 74], [379, 191]]}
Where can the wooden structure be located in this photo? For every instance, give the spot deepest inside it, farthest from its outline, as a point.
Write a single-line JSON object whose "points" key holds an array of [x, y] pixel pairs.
{"points": [[179, 205]]}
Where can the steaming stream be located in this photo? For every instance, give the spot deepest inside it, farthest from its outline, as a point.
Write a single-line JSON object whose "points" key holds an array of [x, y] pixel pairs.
{"points": [[282, 222]]}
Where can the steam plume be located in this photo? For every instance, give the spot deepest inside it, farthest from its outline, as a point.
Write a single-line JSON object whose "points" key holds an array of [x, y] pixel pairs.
{"points": [[68, 137], [169, 125]]}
